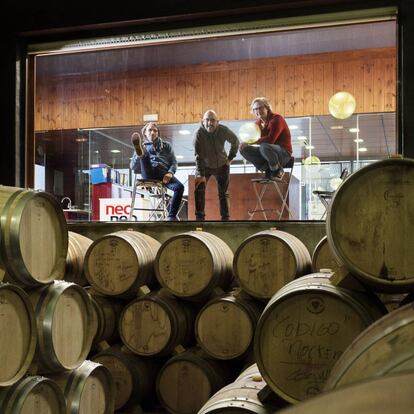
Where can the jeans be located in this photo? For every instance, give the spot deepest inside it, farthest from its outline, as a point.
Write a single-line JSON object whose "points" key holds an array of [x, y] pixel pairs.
{"points": [[222, 177], [266, 156], [157, 173]]}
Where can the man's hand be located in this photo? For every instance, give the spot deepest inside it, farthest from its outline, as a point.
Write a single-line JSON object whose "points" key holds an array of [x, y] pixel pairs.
{"points": [[228, 162], [199, 180], [167, 178], [242, 145]]}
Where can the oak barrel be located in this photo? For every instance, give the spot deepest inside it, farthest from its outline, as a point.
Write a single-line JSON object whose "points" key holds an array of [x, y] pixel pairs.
{"points": [[63, 316], [225, 326], [133, 375], [390, 394], [370, 224], [303, 331], [191, 265], [324, 258], [385, 346], [154, 324], [106, 313], [267, 260], [187, 380], [88, 389], [18, 336], [77, 248], [32, 395], [117, 264], [240, 396], [33, 237]]}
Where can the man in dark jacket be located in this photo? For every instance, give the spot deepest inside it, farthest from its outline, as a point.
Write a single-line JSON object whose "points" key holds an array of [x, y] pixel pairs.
{"points": [[212, 159], [157, 161], [273, 150]]}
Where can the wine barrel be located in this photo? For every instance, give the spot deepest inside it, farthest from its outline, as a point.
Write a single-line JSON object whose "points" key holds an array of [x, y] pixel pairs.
{"points": [[18, 334], [382, 348], [155, 324], [191, 265], [117, 264], [390, 394], [369, 224], [303, 331], [88, 389], [37, 395], [324, 258], [133, 376], [33, 237], [77, 248], [225, 326], [106, 312], [64, 316], [239, 396], [188, 380], [267, 260]]}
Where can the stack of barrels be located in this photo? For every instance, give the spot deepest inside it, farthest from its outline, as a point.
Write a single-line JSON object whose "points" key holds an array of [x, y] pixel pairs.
{"points": [[125, 323], [45, 321]]}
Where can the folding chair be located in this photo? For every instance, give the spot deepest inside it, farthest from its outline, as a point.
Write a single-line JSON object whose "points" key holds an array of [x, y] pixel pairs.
{"points": [[282, 189], [157, 195]]}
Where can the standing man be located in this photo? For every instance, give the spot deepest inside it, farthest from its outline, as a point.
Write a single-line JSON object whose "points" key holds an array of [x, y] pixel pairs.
{"points": [[212, 159], [275, 145], [157, 161]]}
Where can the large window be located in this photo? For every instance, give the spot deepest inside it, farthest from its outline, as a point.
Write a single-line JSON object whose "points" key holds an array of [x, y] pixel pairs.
{"points": [[88, 103]]}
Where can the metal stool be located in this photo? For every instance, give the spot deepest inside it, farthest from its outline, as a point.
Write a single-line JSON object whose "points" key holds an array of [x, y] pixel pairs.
{"points": [[282, 189], [157, 195]]}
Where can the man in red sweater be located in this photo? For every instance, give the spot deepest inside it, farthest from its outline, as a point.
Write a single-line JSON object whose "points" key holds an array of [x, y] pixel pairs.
{"points": [[273, 150]]}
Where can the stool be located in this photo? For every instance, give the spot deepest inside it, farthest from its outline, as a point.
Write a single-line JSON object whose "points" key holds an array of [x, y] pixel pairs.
{"points": [[157, 195], [282, 189]]}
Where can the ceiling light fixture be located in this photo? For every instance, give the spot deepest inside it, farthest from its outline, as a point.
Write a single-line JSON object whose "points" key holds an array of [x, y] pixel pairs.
{"points": [[184, 132], [336, 127], [301, 138], [115, 151], [358, 140], [354, 130], [309, 147], [362, 149], [293, 127]]}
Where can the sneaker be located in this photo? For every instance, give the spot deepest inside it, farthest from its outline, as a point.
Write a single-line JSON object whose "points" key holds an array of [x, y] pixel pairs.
{"points": [[268, 174], [277, 175], [137, 143], [172, 218]]}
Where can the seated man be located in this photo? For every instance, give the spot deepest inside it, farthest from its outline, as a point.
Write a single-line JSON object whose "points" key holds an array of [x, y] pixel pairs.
{"points": [[275, 146], [157, 161]]}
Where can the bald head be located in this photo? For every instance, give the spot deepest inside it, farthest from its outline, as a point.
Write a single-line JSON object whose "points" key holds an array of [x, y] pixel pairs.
{"points": [[210, 121]]}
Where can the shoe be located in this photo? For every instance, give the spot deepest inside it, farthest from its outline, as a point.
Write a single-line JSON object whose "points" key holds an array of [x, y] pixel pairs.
{"points": [[136, 141], [277, 175], [171, 218], [268, 174]]}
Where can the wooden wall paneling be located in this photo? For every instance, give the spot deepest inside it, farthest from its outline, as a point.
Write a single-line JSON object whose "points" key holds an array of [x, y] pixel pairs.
{"points": [[164, 82], [368, 87], [233, 94], [269, 77], [224, 94], [197, 98], [207, 91], [308, 90], [298, 90], [261, 82], [319, 105], [289, 90], [378, 89], [189, 99], [280, 100], [244, 96], [328, 85], [216, 93], [390, 85], [358, 70], [338, 76], [131, 117], [296, 86], [180, 98], [155, 95]]}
